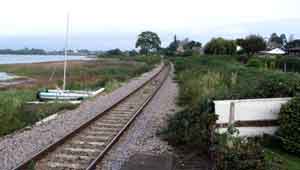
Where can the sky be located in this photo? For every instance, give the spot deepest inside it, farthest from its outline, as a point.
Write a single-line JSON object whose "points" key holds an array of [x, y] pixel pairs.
{"points": [[107, 24]]}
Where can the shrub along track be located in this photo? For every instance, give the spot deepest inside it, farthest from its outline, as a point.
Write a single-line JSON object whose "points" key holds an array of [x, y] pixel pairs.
{"points": [[86, 146]]}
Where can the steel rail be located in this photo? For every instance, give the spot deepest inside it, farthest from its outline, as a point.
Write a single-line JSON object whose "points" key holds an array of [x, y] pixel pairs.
{"points": [[93, 164], [24, 164]]}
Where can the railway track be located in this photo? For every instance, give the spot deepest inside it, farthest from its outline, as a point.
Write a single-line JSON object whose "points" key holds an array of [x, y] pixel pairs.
{"points": [[84, 148]]}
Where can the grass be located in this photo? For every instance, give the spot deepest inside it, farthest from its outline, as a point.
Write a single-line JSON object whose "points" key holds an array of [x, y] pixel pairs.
{"points": [[15, 113], [84, 75], [205, 78], [229, 79], [288, 161], [80, 74]]}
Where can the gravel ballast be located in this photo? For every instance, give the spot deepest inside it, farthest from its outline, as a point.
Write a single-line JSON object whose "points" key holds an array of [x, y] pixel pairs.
{"points": [[21, 145], [142, 137]]}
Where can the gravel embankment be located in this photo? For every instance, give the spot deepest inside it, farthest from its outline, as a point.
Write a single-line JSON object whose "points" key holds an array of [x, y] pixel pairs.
{"points": [[20, 146], [141, 136]]}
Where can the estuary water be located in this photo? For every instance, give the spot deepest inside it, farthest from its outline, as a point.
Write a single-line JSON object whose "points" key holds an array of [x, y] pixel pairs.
{"points": [[27, 59], [5, 76]]}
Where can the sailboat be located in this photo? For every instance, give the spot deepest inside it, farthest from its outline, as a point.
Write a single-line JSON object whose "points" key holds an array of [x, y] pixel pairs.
{"points": [[63, 94]]}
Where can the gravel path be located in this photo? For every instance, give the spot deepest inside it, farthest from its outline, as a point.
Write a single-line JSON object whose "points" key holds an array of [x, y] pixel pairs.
{"points": [[141, 136], [17, 147]]}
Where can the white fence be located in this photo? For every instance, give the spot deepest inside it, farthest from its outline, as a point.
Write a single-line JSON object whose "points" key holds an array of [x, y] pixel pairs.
{"points": [[252, 117]]}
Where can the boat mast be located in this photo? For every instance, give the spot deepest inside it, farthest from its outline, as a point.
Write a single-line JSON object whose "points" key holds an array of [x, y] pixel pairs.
{"points": [[66, 51]]}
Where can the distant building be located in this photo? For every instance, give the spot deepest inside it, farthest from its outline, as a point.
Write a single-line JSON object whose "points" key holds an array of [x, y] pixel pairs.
{"points": [[293, 47], [276, 51], [294, 51], [185, 44], [181, 44], [272, 53]]}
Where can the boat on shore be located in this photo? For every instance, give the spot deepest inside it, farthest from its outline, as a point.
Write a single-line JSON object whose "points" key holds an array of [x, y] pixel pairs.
{"points": [[63, 94], [66, 94]]}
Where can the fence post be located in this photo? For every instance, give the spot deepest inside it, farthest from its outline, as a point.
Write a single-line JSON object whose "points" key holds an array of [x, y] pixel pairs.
{"points": [[232, 113], [284, 67]]}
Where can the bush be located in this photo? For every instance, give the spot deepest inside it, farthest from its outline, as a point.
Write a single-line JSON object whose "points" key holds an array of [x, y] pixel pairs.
{"points": [[10, 106], [234, 153], [15, 113], [278, 85], [190, 128], [149, 60], [219, 46], [203, 79], [292, 64], [289, 131], [244, 153], [206, 78], [256, 63]]}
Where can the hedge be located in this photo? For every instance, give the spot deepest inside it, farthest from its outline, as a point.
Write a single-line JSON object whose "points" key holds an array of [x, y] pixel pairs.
{"points": [[289, 131]]}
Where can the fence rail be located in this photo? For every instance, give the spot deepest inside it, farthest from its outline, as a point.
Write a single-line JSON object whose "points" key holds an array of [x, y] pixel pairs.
{"points": [[252, 117]]}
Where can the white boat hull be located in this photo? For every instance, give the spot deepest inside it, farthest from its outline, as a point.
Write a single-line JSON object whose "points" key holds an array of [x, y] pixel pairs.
{"points": [[67, 94]]}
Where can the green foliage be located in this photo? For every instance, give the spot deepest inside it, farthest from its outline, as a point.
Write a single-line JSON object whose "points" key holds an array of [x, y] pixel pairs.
{"points": [[114, 52], [171, 49], [287, 63], [16, 114], [31, 165], [112, 85], [219, 46], [293, 44], [192, 125], [148, 41], [252, 44], [289, 131], [278, 159], [203, 79], [190, 128], [236, 153], [10, 105], [256, 63], [25, 51], [200, 87], [278, 84], [149, 60], [291, 64], [276, 41], [190, 45]]}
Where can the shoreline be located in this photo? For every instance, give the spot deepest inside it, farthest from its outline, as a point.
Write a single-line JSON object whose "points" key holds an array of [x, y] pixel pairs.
{"points": [[50, 62], [15, 147], [33, 59]]}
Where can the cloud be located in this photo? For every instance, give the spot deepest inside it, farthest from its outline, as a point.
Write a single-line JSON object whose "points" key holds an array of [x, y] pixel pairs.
{"points": [[123, 19]]}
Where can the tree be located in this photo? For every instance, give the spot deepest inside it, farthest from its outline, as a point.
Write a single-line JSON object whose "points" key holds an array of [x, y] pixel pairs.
{"points": [[239, 41], [114, 52], [291, 38], [173, 45], [190, 45], [284, 39], [276, 41], [132, 53], [148, 41], [220, 46], [293, 44], [252, 44]]}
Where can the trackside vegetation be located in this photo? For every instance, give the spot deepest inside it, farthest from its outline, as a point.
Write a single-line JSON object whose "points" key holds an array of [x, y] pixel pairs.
{"points": [[205, 78], [85, 75]]}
